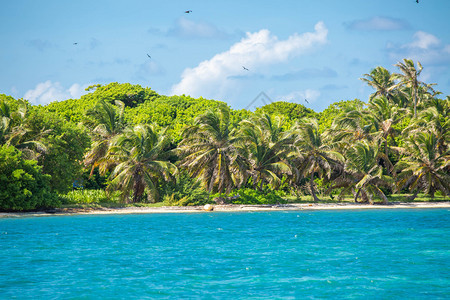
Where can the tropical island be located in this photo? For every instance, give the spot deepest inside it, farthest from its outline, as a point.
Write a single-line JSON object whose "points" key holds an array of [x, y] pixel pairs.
{"points": [[123, 145]]}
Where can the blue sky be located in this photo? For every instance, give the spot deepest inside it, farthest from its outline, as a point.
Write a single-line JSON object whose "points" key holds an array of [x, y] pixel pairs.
{"points": [[293, 50]]}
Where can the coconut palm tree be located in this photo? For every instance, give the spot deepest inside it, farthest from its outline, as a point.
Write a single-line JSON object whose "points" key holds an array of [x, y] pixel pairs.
{"points": [[362, 165], [383, 116], [208, 151], [15, 130], [266, 145], [106, 121], [435, 118], [423, 167], [316, 150], [381, 80], [409, 78], [140, 159], [349, 127]]}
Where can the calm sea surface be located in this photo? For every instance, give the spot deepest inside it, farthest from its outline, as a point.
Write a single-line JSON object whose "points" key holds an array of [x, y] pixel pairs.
{"points": [[376, 254]]}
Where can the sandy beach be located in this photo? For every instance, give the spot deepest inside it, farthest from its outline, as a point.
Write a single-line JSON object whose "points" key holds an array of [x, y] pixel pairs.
{"points": [[227, 208]]}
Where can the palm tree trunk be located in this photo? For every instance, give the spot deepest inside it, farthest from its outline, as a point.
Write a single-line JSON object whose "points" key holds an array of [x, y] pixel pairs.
{"points": [[386, 152], [411, 198], [311, 185], [357, 195], [385, 199], [415, 101]]}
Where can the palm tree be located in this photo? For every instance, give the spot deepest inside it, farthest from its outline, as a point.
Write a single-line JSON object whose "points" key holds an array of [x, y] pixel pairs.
{"points": [[15, 130], [106, 121], [423, 167], [410, 79], [208, 151], [381, 80], [139, 155], [5, 127], [266, 145], [362, 164], [383, 116], [318, 156], [435, 118], [349, 127]]}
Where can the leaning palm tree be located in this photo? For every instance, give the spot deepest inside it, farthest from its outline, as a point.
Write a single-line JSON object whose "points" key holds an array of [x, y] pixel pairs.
{"points": [[423, 167], [266, 145], [208, 151], [318, 156], [140, 159], [106, 121], [362, 165]]}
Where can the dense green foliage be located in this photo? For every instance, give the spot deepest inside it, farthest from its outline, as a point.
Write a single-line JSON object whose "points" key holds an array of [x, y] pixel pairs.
{"points": [[23, 185], [132, 142]]}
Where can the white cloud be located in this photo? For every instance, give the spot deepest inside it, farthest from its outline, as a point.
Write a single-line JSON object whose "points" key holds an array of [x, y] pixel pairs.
{"points": [[299, 96], [214, 77], [46, 92], [423, 40], [425, 47], [186, 28], [378, 24]]}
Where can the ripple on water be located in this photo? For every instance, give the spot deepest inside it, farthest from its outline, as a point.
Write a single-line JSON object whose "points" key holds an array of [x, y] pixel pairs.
{"points": [[323, 254]]}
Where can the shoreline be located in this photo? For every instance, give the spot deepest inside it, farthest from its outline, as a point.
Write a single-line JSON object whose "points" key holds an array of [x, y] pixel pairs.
{"points": [[227, 208]]}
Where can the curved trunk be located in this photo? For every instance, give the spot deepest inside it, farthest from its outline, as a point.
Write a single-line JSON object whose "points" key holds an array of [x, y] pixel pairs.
{"points": [[386, 152], [411, 198], [357, 195], [385, 199], [311, 185]]}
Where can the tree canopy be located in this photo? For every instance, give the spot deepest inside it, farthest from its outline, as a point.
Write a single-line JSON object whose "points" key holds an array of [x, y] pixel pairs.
{"points": [[137, 142]]}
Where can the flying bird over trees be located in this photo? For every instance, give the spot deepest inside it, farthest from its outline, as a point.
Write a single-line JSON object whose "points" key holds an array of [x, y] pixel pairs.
{"points": [[149, 56], [188, 11], [306, 101], [245, 68]]}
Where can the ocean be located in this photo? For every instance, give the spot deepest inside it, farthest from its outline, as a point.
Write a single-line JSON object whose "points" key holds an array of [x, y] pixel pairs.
{"points": [[351, 254]]}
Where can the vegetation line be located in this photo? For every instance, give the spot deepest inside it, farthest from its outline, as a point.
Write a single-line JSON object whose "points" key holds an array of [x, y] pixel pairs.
{"points": [[123, 144]]}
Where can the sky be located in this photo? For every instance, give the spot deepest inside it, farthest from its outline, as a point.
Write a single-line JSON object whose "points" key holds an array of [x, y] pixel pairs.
{"points": [[245, 53]]}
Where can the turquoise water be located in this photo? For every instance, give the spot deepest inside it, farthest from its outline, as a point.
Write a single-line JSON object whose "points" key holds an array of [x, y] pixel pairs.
{"points": [[381, 254]]}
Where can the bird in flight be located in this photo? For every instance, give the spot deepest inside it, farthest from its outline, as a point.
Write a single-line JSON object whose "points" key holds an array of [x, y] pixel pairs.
{"points": [[417, 1], [149, 56], [244, 68], [188, 11], [306, 101], [75, 43]]}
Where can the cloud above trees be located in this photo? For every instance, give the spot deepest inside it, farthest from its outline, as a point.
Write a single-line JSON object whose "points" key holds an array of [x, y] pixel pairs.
{"points": [[48, 91], [424, 47], [213, 77]]}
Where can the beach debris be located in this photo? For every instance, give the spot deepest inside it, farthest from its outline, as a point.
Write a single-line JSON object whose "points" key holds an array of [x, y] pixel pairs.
{"points": [[208, 207]]}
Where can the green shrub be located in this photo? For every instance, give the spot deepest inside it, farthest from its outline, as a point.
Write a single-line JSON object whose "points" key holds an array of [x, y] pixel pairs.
{"points": [[23, 186], [252, 196], [88, 197]]}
